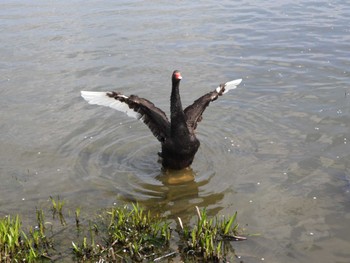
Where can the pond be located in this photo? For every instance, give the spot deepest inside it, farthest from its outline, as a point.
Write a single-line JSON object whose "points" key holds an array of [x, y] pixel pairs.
{"points": [[276, 149]]}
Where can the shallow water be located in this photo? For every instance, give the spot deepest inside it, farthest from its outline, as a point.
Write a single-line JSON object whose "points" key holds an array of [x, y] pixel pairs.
{"points": [[276, 149]]}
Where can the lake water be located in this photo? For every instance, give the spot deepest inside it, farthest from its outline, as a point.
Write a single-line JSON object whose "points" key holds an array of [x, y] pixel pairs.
{"points": [[277, 149]]}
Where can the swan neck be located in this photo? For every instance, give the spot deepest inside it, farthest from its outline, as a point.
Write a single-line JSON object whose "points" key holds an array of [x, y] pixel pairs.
{"points": [[176, 112]]}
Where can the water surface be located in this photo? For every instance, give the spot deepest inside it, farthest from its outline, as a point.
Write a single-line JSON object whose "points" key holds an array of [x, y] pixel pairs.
{"points": [[276, 149]]}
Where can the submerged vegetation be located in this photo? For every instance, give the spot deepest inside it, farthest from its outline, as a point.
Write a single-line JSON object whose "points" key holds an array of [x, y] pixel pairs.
{"points": [[118, 234]]}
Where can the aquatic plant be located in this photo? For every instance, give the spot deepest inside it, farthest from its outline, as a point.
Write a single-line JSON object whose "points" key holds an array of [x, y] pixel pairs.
{"points": [[206, 239], [17, 246], [77, 216], [119, 234], [132, 234], [57, 208], [10, 238]]}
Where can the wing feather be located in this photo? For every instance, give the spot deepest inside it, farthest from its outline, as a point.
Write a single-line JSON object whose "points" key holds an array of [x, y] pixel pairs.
{"points": [[194, 112], [135, 107]]}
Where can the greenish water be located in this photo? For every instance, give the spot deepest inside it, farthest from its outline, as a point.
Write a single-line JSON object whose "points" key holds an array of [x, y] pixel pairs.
{"points": [[276, 149]]}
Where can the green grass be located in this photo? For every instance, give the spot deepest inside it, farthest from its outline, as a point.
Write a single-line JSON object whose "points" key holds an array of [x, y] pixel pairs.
{"points": [[206, 239], [57, 209], [17, 246], [131, 234], [118, 234]]}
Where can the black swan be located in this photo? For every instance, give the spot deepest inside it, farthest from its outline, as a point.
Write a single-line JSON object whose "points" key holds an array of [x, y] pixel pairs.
{"points": [[177, 136]]}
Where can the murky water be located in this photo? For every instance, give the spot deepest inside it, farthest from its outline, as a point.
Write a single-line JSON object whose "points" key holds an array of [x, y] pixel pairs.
{"points": [[276, 149]]}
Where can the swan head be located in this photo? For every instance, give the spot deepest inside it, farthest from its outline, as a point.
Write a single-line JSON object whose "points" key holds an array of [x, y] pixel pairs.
{"points": [[176, 75]]}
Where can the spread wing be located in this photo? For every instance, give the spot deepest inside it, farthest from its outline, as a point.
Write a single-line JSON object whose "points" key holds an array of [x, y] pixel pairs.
{"points": [[194, 112], [133, 106]]}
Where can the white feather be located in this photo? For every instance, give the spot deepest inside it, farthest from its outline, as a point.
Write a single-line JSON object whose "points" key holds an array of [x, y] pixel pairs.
{"points": [[101, 98], [230, 85]]}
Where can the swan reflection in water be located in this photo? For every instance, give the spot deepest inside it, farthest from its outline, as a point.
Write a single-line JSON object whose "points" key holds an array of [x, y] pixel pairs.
{"points": [[176, 195]]}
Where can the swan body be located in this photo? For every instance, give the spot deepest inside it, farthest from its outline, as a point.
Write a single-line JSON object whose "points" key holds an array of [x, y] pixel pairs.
{"points": [[177, 136]]}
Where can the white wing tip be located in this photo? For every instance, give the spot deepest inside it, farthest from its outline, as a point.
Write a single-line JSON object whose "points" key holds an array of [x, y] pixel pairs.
{"points": [[229, 85], [235, 82], [101, 98]]}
